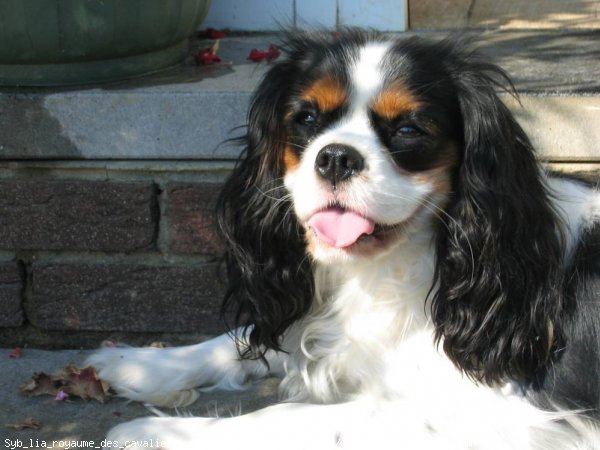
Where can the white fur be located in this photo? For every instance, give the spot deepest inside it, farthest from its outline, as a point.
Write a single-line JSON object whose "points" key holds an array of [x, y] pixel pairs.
{"points": [[366, 74], [170, 376], [577, 205], [362, 363]]}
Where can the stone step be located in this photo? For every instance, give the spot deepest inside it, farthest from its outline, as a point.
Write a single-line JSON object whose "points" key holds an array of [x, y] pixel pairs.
{"points": [[530, 14], [189, 111]]}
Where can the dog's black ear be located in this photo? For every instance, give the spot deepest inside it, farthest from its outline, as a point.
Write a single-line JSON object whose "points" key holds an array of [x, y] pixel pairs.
{"points": [[498, 272], [269, 275]]}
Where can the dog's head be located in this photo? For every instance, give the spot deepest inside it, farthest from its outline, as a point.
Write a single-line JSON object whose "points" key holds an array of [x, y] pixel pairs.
{"points": [[357, 144]]}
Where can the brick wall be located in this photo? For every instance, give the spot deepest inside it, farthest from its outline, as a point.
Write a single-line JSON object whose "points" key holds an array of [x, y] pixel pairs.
{"points": [[112, 250], [133, 256]]}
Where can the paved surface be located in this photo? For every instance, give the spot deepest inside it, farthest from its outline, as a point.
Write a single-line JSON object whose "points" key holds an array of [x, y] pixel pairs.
{"points": [[187, 112], [78, 420]]}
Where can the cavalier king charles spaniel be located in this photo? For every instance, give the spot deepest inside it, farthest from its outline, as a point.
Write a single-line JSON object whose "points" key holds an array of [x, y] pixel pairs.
{"points": [[399, 259]]}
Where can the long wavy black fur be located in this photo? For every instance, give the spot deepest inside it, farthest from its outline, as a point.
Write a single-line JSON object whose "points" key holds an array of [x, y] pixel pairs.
{"points": [[270, 276], [499, 275]]}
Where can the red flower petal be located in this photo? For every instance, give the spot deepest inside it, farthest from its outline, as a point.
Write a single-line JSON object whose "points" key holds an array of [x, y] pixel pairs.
{"points": [[15, 353], [206, 56], [211, 33], [272, 53], [257, 55]]}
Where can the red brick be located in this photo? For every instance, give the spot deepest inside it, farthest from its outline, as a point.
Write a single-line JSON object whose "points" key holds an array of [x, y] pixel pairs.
{"points": [[191, 219], [77, 215], [11, 286], [125, 297]]}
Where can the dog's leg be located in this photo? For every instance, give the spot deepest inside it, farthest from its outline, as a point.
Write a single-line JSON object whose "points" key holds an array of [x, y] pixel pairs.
{"points": [[358, 425], [354, 425], [169, 376], [285, 426]]}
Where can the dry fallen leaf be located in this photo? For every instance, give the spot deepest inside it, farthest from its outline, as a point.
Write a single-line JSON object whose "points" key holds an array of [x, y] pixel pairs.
{"points": [[41, 384], [109, 343], [85, 383], [27, 423], [72, 381], [160, 344]]}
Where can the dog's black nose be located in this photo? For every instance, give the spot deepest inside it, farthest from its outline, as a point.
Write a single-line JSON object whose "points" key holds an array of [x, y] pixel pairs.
{"points": [[337, 162]]}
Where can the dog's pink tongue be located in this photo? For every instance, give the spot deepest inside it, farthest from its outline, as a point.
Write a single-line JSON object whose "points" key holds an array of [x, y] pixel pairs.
{"points": [[339, 227]]}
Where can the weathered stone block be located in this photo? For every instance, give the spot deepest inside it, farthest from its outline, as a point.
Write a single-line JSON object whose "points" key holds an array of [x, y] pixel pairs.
{"points": [[191, 218], [11, 285], [125, 297], [77, 215]]}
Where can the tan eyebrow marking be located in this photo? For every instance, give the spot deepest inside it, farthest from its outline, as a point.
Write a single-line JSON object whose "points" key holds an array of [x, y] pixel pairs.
{"points": [[394, 101], [327, 93]]}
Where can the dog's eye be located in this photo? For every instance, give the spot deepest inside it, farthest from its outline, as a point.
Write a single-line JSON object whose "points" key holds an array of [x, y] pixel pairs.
{"points": [[408, 131], [306, 118]]}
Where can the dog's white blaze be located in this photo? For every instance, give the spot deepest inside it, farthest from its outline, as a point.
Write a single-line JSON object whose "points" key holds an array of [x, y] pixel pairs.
{"points": [[366, 74]]}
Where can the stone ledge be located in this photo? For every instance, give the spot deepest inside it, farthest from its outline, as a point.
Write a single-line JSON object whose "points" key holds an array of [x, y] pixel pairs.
{"points": [[186, 113], [29, 336], [562, 129], [532, 14]]}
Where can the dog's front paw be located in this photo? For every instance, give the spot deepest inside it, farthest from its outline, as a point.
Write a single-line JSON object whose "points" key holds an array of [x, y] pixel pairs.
{"points": [[151, 375]]}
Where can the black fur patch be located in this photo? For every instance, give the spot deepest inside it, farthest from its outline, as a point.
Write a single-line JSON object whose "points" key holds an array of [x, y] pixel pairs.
{"points": [[572, 379]]}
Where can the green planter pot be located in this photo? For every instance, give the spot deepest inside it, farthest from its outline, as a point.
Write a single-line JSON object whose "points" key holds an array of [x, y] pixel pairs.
{"points": [[57, 42]]}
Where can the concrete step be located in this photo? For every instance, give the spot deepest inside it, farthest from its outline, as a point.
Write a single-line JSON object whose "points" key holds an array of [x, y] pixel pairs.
{"points": [[187, 112], [530, 14], [63, 423]]}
